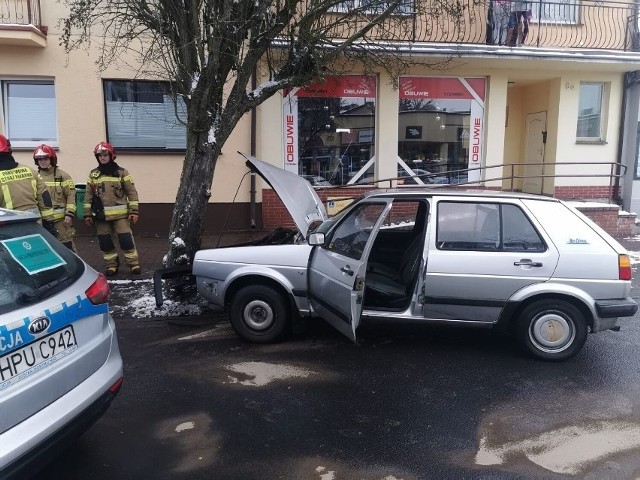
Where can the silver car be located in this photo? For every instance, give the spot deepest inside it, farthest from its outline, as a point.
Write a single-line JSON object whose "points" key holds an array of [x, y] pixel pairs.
{"points": [[530, 265], [60, 366]]}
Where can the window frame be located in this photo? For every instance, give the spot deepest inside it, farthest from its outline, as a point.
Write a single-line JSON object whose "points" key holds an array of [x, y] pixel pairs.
{"points": [[602, 124], [406, 8], [6, 120], [575, 12], [472, 244], [129, 148]]}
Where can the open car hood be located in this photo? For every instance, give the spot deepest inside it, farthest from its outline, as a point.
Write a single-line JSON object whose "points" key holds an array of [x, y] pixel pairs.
{"points": [[297, 194]]}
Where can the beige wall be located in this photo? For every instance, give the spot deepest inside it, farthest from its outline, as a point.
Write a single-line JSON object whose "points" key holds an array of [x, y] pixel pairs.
{"points": [[81, 119], [540, 85]]}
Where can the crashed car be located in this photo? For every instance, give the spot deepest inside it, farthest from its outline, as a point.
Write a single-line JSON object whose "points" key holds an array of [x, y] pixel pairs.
{"points": [[529, 265]]}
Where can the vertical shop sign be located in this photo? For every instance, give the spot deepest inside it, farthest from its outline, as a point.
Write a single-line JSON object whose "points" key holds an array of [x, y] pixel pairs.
{"points": [[290, 125]]}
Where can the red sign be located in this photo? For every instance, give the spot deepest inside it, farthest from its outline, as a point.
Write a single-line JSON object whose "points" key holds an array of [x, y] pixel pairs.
{"points": [[341, 86], [441, 88]]}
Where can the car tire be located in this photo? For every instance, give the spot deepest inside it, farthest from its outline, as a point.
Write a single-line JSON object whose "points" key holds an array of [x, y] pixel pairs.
{"points": [[553, 329], [259, 314]]}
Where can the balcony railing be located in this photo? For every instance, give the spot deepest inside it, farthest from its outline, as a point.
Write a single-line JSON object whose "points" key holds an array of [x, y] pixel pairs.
{"points": [[21, 12], [565, 24]]}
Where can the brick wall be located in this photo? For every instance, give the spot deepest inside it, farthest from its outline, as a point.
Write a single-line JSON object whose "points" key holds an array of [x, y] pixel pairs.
{"points": [[585, 192]]}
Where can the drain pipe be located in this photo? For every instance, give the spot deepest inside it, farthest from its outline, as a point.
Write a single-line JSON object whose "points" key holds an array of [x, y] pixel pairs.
{"points": [[252, 202], [627, 146]]}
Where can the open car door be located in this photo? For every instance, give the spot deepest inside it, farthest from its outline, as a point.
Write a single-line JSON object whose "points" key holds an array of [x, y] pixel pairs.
{"points": [[336, 270]]}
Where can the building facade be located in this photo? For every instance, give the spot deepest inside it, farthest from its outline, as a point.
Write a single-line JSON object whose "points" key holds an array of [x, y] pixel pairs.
{"points": [[553, 114]]}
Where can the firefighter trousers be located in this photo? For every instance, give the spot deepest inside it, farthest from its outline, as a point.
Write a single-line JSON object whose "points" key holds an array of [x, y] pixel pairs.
{"points": [[122, 230]]}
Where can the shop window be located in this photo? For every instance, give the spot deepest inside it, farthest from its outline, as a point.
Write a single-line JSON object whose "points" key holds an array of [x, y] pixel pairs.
{"points": [[30, 112], [329, 130], [590, 119], [440, 135], [142, 115]]}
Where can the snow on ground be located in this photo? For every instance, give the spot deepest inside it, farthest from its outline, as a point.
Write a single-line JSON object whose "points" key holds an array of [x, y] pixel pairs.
{"points": [[135, 298]]}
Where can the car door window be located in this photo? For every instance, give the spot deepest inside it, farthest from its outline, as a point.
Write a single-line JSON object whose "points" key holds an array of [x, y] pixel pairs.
{"points": [[485, 227], [351, 235], [518, 232]]}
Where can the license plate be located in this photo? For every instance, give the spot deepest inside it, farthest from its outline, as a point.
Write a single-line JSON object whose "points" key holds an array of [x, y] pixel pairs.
{"points": [[19, 364]]}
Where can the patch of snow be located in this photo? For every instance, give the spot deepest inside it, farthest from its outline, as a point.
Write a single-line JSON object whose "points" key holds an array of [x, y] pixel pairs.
{"points": [[178, 242], [135, 298]]}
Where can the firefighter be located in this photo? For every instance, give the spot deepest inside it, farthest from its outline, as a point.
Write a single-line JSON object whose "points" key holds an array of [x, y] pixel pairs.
{"points": [[62, 191], [21, 188], [111, 206]]}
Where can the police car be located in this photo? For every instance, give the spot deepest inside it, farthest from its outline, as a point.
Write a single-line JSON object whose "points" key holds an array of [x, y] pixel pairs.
{"points": [[60, 366]]}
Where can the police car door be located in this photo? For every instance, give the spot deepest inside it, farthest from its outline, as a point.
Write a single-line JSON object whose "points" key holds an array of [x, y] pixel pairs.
{"points": [[337, 268]]}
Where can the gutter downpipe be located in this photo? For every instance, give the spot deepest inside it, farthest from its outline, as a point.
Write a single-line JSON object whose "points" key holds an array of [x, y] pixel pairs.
{"points": [[252, 191], [627, 150]]}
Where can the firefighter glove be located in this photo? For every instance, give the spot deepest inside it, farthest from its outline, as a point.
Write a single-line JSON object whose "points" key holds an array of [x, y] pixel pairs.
{"points": [[133, 218], [88, 221]]}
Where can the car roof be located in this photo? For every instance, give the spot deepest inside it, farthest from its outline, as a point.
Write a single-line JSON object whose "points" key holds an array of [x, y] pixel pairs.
{"points": [[13, 216], [446, 191]]}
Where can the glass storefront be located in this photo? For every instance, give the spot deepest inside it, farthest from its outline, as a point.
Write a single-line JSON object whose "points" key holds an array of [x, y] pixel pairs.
{"points": [[329, 129], [440, 128]]}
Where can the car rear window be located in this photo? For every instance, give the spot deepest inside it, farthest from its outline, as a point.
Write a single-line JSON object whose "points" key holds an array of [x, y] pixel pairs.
{"points": [[33, 265]]}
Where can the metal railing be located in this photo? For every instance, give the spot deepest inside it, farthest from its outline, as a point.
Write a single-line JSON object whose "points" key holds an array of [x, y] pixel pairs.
{"points": [[573, 24], [20, 12], [511, 180]]}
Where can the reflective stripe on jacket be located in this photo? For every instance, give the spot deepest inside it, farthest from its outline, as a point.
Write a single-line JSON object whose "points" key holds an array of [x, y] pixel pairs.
{"points": [[22, 189], [62, 191], [118, 193]]}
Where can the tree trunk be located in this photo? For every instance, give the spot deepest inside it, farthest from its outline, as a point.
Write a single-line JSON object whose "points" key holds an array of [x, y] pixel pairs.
{"points": [[187, 223]]}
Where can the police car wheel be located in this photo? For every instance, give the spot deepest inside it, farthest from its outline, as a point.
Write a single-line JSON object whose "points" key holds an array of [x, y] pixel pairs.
{"points": [[260, 314]]}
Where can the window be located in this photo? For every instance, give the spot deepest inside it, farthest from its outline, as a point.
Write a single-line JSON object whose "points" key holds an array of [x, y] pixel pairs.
{"points": [[486, 227], [373, 6], [566, 11], [142, 114], [590, 112], [329, 129], [30, 112], [350, 237]]}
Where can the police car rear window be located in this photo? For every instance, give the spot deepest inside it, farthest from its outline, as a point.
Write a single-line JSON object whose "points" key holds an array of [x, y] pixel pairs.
{"points": [[33, 266]]}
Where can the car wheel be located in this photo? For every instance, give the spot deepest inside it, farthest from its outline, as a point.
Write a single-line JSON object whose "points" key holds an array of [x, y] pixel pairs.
{"points": [[260, 314], [552, 329]]}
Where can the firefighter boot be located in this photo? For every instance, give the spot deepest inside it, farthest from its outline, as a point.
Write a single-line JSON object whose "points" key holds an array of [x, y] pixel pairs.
{"points": [[112, 261]]}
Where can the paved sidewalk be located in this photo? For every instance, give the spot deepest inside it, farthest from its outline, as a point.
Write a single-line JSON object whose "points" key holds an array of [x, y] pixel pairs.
{"points": [[152, 249]]}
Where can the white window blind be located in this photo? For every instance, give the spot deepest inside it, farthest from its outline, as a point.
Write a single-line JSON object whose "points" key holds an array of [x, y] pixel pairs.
{"points": [[30, 113]]}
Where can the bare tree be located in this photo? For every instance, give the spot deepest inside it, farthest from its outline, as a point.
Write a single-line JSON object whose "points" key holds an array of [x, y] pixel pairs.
{"points": [[211, 50]]}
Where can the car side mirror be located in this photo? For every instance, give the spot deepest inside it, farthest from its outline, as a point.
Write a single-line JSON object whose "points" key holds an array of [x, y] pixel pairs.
{"points": [[316, 239]]}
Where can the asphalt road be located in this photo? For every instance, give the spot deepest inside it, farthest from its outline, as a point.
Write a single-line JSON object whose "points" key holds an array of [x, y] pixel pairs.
{"points": [[405, 403]]}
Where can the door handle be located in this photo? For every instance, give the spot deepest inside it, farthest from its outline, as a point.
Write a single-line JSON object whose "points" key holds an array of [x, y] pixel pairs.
{"points": [[347, 269], [525, 262]]}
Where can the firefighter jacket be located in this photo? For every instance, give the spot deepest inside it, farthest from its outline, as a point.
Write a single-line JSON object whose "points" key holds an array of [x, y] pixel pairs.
{"points": [[116, 190], [62, 191], [21, 189]]}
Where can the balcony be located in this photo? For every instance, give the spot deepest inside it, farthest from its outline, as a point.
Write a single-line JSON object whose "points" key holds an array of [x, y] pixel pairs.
{"points": [[20, 24], [598, 28]]}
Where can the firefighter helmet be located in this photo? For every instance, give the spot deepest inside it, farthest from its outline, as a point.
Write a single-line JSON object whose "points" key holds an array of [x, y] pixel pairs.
{"points": [[104, 147], [5, 145], [45, 151]]}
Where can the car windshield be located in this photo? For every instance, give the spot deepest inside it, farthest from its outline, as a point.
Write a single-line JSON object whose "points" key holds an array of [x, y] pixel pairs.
{"points": [[33, 265]]}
